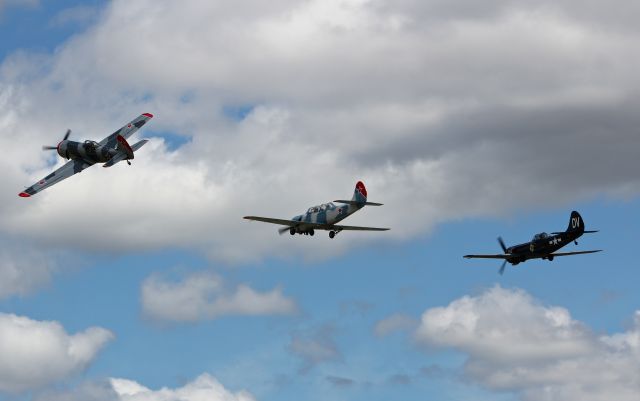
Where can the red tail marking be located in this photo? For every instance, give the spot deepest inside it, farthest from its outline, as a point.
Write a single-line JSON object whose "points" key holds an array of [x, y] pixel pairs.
{"points": [[124, 143], [361, 188], [23, 195], [148, 115]]}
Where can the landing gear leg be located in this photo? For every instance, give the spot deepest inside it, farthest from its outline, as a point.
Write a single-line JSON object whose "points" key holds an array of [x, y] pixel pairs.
{"points": [[128, 162], [332, 234]]}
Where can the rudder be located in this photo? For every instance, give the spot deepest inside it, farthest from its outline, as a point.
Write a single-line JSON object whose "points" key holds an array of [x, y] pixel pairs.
{"points": [[576, 224], [360, 193]]}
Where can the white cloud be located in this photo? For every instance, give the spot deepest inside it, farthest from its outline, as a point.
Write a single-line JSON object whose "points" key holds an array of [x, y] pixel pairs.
{"points": [[204, 296], [74, 15], [393, 323], [203, 388], [515, 343], [315, 346], [431, 104], [24, 268], [37, 353]]}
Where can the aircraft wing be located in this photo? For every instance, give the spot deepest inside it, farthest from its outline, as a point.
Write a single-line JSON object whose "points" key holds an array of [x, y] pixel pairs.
{"points": [[316, 226], [574, 253], [281, 222], [67, 170], [499, 256], [127, 130], [351, 228]]}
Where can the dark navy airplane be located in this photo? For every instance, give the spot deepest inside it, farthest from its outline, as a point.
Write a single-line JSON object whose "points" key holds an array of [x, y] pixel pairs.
{"points": [[542, 246]]}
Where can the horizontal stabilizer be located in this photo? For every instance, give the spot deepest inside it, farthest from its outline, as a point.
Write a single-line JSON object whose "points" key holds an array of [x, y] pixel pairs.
{"points": [[139, 144], [356, 203], [585, 232]]}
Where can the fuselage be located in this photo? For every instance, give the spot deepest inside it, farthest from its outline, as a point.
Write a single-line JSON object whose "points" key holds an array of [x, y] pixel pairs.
{"points": [[542, 246], [327, 213], [88, 150]]}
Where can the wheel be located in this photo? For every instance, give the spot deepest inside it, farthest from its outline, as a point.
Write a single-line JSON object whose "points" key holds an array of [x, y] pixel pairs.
{"points": [[550, 258], [292, 231], [332, 234], [311, 232]]}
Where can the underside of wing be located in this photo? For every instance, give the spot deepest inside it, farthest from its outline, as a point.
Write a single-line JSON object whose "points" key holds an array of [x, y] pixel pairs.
{"points": [[67, 170], [498, 256], [281, 222], [356, 203], [127, 130], [574, 253], [351, 228]]}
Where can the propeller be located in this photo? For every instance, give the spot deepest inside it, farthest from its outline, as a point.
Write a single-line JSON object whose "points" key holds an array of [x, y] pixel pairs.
{"points": [[283, 230], [501, 242], [504, 264], [66, 136], [504, 249]]}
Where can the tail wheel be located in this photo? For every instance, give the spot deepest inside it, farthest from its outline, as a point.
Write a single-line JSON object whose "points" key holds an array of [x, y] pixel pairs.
{"points": [[332, 234], [292, 231]]}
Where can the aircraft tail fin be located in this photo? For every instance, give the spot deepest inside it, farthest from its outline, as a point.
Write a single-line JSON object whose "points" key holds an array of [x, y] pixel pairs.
{"points": [[125, 152], [360, 193], [576, 224], [123, 146]]}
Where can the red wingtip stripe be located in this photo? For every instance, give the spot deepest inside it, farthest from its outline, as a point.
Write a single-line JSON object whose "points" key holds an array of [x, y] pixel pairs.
{"points": [[148, 115], [23, 195]]}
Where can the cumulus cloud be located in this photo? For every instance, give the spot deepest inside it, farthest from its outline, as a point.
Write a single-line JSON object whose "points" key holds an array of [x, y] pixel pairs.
{"points": [[74, 15], [24, 268], [515, 343], [315, 346], [37, 353], [202, 296], [204, 387], [393, 323], [448, 110]]}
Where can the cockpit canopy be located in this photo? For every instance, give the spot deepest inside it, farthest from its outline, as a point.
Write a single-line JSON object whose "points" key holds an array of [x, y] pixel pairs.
{"points": [[92, 143], [540, 236], [323, 207]]}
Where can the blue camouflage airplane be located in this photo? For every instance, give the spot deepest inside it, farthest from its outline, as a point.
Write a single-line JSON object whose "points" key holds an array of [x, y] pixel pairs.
{"points": [[81, 155], [543, 245], [325, 216]]}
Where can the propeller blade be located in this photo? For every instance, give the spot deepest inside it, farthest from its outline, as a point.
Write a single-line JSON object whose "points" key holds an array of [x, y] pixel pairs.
{"points": [[501, 242], [504, 264], [283, 230], [66, 136], [49, 147]]}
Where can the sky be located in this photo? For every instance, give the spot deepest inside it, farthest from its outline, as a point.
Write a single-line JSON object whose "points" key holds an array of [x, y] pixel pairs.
{"points": [[468, 121]]}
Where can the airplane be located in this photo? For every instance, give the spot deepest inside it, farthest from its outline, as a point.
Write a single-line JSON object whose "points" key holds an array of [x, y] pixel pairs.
{"points": [[81, 155], [542, 246], [325, 216]]}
